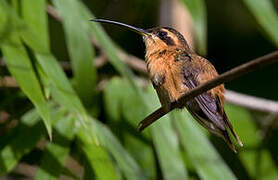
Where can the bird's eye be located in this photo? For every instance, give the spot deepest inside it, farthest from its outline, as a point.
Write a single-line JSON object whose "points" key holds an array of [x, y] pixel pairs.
{"points": [[161, 34]]}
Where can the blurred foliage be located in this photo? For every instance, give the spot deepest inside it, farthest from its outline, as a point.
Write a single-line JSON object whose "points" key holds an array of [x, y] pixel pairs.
{"points": [[82, 123]]}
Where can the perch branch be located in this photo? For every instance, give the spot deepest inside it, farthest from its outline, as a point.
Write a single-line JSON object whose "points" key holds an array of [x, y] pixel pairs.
{"points": [[225, 77]]}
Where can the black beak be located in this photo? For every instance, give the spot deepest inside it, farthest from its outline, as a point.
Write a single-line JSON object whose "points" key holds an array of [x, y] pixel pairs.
{"points": [[132, 28]]}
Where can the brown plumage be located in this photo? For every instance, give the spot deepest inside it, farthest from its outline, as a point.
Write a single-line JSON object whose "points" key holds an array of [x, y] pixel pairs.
{"points": [[174, 69]]}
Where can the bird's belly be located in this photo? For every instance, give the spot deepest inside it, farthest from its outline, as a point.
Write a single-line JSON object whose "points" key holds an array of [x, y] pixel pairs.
{"points": [[173, 88]]}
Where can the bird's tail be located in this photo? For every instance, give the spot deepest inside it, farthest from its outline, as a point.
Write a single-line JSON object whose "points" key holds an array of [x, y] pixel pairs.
{"points": [[227, 122], [223, 133], [226, 137]]}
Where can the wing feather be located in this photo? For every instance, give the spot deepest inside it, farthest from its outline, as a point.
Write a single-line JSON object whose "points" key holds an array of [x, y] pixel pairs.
{"points": [[205, 101], [208, 111]]}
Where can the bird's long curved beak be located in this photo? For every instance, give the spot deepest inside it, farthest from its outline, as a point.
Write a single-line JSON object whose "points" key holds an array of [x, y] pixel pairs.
{"points": [[132, 28]]}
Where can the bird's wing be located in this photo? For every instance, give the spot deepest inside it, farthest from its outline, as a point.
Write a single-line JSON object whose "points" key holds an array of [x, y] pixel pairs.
{"points": [[205, 101], [207, 108]]}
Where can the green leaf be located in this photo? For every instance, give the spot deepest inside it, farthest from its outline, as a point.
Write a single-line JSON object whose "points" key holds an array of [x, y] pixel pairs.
{"points": [[257, 161], [58, 82], [88, 171], [37, 23], [166, 144], [113, 96], [200, 151], [80, 49], [110, 49], [60, 86], [126, 163], [20, 66], [57, 151], [197, 10], [143, 153], [266, 17], [97, 157], [15, 4], [118, 104], [133, 109], [24, 139]]}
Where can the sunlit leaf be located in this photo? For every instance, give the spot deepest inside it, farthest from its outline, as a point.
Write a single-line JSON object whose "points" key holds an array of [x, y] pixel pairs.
{"points": [[60, 85], [110, 49], [266, 17], [79, 47], [97, 157], [118, 105], [37, 23], [257, 161], [113, 96], [61, 88], [20, 66], [57, 151], [18, 146], [166, 144], [201, 153], [133, 109], [127, 165]]}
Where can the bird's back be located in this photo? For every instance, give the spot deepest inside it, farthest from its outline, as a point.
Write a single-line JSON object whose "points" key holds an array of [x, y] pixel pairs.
{"points": [[177, 72]]}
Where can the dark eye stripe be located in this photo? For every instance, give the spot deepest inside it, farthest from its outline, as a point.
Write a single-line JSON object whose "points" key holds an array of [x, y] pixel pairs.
{"points": [[178, 35], [163, 36]]}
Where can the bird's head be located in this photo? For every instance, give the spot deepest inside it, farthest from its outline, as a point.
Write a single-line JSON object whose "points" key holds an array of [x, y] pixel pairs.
{"points": [[156, 39]]}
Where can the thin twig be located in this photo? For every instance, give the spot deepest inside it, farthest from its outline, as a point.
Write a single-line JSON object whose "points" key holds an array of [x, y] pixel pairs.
{"points": [[99, 62], [267, 127], [8, 81], [225, 77], [251, 102], [52, 12], [133, 62], [25, 170]]}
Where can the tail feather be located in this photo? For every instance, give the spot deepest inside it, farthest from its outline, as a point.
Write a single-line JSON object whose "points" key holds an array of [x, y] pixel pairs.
{"points": [[214, 129], [212, 122], [227, 122], [228, 140]]}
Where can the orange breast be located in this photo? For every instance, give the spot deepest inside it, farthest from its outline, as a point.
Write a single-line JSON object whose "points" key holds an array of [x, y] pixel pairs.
{"points": [[164, 64]]}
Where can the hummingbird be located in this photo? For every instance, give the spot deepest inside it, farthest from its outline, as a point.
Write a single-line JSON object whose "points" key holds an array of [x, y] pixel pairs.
{"points": [[174, 69]]}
